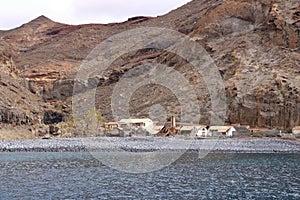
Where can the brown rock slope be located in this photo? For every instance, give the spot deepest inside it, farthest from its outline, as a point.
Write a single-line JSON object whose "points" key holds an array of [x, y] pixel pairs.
{"points": [[20, 102], [255, 44], [18, 106]]}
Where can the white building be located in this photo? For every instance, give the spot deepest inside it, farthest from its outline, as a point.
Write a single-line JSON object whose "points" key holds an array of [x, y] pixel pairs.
{"points": [[296, 130], [138, 123], [197, 130], [227, 131], [186, 130], [111, 125], [202, 131]]}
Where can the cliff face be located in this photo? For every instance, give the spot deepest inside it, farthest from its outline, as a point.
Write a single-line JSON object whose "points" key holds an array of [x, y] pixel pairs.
{"points": [[18, 106], [284, 21], [254, 43], [20, 102]]}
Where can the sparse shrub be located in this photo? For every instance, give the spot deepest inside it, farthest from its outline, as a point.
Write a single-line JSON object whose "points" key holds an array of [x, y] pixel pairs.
{"points": [[289, 130], [257, 135], [271, 135], [70, 123]]}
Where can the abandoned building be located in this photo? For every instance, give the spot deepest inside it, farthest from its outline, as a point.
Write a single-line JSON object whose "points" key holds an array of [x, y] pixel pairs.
{"points": [[226, 131]]}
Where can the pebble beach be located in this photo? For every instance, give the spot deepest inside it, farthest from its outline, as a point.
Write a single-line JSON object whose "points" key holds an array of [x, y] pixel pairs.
{"points": [[149, 144]]}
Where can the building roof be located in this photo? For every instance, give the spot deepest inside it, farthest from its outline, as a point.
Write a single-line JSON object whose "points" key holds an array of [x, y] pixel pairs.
{"points": [[186, 128], [158, 128], [135, 121], [190, 128], [200, 126], [111, 123], [296, 128], [258, 129], [221, 129]]}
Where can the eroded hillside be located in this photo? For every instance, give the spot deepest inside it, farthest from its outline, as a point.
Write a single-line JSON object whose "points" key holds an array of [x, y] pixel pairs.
{"points": [[255, 45]]}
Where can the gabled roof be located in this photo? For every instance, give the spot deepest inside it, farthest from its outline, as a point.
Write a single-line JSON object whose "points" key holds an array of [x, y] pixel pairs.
{"points": [[135, 121], [221, 129], [111, 123], [190, 128], [186, 128], [200, 126], [258, 129], [157, 128], [296, 128]]}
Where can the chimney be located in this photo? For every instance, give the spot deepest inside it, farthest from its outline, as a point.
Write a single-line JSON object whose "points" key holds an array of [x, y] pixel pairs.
{"points": [[173, 122]]}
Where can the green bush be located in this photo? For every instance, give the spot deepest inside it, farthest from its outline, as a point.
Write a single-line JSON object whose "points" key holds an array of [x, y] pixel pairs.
{"points": [[283, 92]]}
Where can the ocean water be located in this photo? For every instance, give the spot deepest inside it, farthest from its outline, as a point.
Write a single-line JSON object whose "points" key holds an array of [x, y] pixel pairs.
{"points": [[217, 176]]}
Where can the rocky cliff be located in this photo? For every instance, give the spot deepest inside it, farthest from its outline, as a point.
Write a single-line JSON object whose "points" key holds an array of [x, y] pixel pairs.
{"points": [[254, 43], [20, 102], [18, 106]]}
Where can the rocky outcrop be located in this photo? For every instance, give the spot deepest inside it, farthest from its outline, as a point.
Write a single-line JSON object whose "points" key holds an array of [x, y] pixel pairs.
{"points": [[19, 105], [256, 46], [284, 22], [7, 66], [16, 106], [52, 117]]}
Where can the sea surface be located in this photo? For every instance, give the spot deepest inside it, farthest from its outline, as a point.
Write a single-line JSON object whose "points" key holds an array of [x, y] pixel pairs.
{"points": [[217, 176]]}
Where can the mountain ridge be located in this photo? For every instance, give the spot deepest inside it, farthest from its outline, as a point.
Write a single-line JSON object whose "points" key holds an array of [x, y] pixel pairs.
{"points": [[255, 45]]}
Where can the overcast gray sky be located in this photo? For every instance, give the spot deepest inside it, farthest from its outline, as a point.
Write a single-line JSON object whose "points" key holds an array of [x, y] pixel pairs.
{"points": [[14, 13]]}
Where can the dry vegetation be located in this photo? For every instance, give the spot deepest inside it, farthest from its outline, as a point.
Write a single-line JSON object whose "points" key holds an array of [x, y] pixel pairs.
{"points": [[16, 134]]}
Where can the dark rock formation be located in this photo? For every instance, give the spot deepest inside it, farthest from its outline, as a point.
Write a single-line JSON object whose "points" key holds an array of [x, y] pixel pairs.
{"points": [[52, 117]]}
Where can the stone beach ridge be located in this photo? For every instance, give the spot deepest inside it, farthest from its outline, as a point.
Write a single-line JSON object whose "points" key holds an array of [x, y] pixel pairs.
{"points": [[151, 144]]}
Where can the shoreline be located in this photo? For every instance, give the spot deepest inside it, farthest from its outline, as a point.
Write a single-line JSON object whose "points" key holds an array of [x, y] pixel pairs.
{"points": [[152, 144]]}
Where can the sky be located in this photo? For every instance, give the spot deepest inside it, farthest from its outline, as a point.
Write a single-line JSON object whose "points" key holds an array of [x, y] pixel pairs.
{"points": [[14, 13]]}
